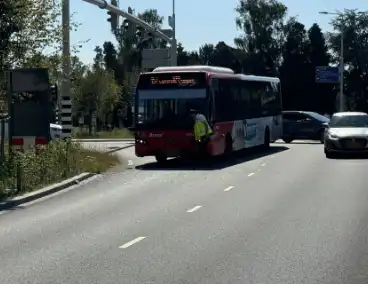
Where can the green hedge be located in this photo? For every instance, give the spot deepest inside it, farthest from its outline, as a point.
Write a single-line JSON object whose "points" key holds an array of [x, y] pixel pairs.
{"points": [[113, 134], [53, 163]]}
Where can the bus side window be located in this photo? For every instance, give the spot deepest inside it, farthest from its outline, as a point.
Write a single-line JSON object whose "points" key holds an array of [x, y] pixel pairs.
{"points": [[227, 100], [245, 99], [271, 101], [222, 101], [235, 112], [256, 89]]}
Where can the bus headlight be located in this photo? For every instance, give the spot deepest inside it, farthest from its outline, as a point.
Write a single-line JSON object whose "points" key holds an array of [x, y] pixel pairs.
{"points": [[140, 141]]}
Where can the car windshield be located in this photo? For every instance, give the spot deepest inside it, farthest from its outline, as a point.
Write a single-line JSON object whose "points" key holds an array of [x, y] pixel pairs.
{"points": [[318, 117], [349, 121]]}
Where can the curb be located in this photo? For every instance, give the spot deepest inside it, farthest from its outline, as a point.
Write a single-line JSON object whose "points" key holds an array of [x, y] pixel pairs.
{"points": [[105, 140], [119, 149], [48, 190]]}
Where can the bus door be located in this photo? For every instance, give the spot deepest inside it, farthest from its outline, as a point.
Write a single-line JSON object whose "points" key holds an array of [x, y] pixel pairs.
{"points": [[217, 139], [213, 87]]}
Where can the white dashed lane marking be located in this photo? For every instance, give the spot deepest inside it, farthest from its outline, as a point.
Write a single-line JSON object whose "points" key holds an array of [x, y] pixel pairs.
{"points": [[228, 188], [251, 174], [132, 242], [194, 209]]}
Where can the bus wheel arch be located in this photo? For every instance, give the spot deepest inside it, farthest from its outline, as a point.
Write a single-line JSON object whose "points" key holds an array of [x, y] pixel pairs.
{"points": [[228, 144], [161, 158]]}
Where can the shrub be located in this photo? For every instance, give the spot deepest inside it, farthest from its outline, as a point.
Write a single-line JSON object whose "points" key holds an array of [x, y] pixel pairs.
{"points": [[55, 162]]}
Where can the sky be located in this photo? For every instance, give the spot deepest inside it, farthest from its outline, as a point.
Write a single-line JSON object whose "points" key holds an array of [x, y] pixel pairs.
{"points": [[197, 21]]}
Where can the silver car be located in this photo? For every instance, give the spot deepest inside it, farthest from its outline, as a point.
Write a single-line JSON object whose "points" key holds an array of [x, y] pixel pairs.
{"points": [[347, 132]]}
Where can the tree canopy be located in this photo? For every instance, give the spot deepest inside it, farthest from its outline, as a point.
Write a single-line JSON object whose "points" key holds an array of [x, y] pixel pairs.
{"points": [[270, 43]]}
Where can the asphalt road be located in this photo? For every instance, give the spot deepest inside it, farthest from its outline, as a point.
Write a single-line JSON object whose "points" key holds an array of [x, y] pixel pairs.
{"points": [[289, 217]]}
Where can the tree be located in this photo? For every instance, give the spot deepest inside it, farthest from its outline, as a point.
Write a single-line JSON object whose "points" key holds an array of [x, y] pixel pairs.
{"points": [[183, 55], [294, 67], [269, 45], [98, 61], [262, 25], [152, 17], [9, 19], [38, 28], [206, 53], [97, 92], [110, 55], [354, 27], [226, 56], [130, 43], [323, 95]]}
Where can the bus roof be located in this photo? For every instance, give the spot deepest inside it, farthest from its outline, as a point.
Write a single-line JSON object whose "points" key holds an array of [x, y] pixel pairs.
{"points": [[200, 68], [217, 71], [258, 78]]}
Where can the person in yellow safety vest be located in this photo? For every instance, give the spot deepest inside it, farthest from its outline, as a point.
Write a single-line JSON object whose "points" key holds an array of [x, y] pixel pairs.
{"points": [[202, 130]]}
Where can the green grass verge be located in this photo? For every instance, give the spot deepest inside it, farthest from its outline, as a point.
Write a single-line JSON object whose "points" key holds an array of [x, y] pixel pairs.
{"points": [[55, 162], [113, 134]]}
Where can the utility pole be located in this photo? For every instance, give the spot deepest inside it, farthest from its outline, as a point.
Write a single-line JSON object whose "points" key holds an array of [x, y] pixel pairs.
{"points": [[173, 47], [342, 99]]}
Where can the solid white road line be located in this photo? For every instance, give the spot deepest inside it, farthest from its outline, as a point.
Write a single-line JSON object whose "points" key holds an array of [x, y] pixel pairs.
{"points": [[228, 188], [194, 209], [251, 174], [132, 242]]}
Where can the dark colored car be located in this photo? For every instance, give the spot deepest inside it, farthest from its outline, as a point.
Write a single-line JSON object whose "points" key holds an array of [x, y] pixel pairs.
{"points": [[303, 125], [347, 132]]}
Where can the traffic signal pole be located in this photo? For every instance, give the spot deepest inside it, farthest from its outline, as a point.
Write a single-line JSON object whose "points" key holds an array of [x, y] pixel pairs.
{"points": [[66, 99], [102, 4]]}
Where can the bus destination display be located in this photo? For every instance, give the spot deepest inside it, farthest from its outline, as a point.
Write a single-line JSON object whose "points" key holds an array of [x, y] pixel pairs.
{"points": [[174, 80]]}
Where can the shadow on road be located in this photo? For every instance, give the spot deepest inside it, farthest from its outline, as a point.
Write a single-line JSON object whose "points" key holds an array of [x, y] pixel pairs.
{"points": [[351, 156], [300, 142], [9, 206], [215, 163]]}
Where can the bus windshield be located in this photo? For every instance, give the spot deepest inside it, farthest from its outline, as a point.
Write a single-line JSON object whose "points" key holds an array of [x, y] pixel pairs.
{"points": [[164, 100]]}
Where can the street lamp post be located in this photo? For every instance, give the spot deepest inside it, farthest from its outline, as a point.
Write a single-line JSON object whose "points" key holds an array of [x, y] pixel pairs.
{"points": [[342, 98]]}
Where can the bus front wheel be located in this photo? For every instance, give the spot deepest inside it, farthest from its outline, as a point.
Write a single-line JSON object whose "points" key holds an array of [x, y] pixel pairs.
{"points": [[161, 158]]}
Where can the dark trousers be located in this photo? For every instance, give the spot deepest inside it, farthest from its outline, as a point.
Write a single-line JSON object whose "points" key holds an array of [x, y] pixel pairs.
{"points": [[201, 145]]}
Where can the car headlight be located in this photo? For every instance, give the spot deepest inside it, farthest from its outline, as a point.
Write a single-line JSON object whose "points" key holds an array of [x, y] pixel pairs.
{"points": [[332, 136]]}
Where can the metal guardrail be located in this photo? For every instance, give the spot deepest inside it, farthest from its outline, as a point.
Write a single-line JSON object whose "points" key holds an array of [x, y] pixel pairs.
{"points": [[104, 140]]}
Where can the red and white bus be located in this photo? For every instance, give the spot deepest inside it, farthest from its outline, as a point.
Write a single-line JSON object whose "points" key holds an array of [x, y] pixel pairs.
{"points": [[243, 110]]}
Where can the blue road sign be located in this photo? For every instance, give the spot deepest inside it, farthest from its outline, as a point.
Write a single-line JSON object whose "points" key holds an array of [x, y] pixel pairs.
{"points": [[327, 74]]}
